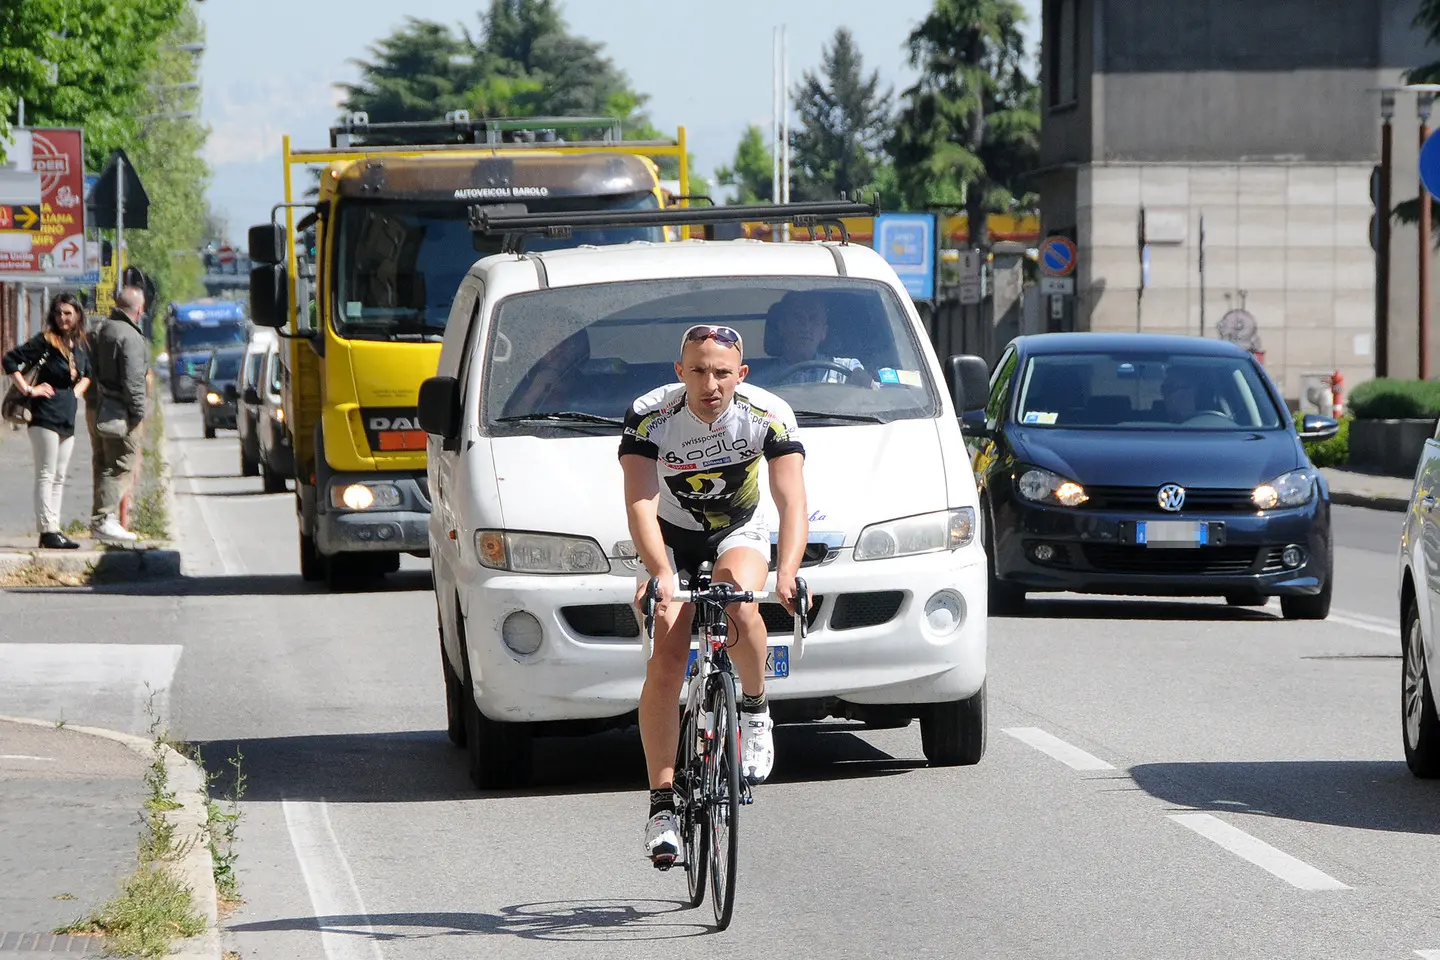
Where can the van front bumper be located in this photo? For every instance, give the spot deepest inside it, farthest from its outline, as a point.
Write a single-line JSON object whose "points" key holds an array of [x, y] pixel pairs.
{"points": [[870, 642]]}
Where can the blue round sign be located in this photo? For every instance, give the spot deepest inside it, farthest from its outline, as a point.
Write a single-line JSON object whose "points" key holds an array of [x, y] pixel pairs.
{"points": [[1430, 164]]}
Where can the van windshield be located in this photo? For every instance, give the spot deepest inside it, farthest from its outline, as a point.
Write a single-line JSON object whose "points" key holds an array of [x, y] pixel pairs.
{"points": [[838, 350]]}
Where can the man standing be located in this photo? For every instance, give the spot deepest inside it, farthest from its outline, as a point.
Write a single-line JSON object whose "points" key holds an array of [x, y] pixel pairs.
{"points": [[121, 363]]}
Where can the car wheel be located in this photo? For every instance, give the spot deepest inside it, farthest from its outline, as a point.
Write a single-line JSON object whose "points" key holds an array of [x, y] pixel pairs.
{"points": [[1315, 606], [312, 563], [501, 754], [1246, 599], [454, 693], [953, 734], [248, 467], [271, 481], [1418, 722], [1004, 598], [209, 430]]}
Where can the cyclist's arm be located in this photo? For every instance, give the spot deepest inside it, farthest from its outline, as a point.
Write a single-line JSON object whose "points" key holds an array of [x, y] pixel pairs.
{"points": [[642, 504], [787, 488]]}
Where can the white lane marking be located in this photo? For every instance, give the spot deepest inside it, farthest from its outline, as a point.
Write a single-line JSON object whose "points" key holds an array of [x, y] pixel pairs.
{"points": [[1295, 872], [345, 930], [1068, 754], [1428, 954], [229, 557], [25, 756], [104, 664], [1349, 620]]}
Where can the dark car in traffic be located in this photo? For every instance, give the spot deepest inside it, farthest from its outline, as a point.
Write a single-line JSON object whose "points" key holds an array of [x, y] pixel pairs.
{"points": [[1136, 464], [217, 389]]}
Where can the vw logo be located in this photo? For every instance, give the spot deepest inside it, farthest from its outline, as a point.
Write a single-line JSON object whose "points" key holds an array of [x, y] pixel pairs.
{"points": [[1171, 497]]}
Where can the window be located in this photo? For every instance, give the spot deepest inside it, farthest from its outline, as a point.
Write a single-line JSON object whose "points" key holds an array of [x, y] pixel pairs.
{"points": [[1000, 386], [1062, 63]]}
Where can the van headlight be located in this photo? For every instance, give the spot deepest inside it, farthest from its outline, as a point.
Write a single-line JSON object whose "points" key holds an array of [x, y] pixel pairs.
{"points": [[363, 496], [927, 533], [1291, 489], [539, 553], [1046, 486]]}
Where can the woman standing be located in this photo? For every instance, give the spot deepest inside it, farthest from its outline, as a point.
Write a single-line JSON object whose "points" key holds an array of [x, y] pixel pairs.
{"points": [[60, 353]]}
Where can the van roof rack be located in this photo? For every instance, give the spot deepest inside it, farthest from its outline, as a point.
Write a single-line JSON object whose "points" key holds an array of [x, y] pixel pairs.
{"points": [[515, 225], [489, 131]]}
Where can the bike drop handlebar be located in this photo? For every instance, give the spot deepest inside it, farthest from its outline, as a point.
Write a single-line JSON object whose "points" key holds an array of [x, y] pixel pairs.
{"points": [[724, 598]]}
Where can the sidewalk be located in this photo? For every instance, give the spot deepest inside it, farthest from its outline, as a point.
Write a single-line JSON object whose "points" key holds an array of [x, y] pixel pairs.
{"points": [[1354, 489]]}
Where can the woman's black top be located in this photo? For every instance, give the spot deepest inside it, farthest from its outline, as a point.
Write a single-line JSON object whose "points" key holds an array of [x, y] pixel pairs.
{"points": [[58, 412]]}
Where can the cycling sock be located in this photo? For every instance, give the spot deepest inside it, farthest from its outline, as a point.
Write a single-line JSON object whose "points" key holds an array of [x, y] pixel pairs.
{"points": [[749, 704], [662, 800]]}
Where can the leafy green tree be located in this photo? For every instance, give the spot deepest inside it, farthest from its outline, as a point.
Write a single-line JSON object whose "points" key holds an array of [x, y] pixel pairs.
{"points": [[968, 132], [844, 121], [416, 73], [752, 172]]}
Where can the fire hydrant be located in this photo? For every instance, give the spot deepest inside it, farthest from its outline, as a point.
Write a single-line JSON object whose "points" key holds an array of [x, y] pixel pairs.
{"points": [[1337, 384]]}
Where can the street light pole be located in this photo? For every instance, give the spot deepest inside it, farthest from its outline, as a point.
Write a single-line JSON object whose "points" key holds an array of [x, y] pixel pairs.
{"points": [[1382, 236], [1424, 100]]}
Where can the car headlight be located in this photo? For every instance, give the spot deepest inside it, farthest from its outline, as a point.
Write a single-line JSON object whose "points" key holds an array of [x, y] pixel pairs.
{"points": [[539, 552], [1046, 486], [279, 414], [926, 533], [212, 398], [1287, 490], [363, 496]]}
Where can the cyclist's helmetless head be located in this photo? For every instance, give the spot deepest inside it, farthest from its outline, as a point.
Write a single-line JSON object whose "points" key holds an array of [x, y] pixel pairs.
{"points": [[711, 365]]}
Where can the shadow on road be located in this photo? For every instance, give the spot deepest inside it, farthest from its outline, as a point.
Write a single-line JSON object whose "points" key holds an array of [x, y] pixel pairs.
{"points": [[580, 921], [1361, 794], [256, 493], [265, 585], [423, 766], [1140, 608]]}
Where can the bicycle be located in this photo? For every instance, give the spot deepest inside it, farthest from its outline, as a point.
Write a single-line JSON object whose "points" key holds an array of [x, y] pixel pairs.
{"points": [[709, 789]]}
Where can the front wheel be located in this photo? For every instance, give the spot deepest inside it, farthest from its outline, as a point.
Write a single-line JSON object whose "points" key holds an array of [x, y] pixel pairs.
{"points": [[953, 734], [1004, 598], [272, 481], [454, 693], [694, 820], [722, 788], [312, 561], [1418, 722], [1315, 606], [209, 430]]}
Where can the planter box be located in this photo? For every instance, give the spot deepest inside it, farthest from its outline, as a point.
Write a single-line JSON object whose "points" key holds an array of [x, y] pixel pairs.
{"points": [[1389, 447]]}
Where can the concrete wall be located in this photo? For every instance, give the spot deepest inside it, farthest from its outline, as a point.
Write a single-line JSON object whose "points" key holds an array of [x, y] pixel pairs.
{"points": [[1068, 130], [1288, 242]]}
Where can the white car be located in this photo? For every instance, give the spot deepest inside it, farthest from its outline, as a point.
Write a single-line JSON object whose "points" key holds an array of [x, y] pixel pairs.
{"points": [[1419, 606], [534, 570]]}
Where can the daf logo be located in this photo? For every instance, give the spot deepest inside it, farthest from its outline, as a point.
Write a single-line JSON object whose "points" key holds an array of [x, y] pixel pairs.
{"points": [[1171, 497], [385, 424]]}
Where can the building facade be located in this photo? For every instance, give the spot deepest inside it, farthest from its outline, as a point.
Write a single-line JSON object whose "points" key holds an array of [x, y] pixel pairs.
{"points": [[1231, 144]]}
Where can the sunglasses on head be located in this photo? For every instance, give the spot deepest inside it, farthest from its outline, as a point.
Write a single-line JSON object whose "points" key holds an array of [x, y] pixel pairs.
{"points": [[702, 332]]}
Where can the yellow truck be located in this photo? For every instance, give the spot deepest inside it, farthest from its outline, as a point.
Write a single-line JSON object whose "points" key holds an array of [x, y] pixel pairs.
{"points": [[361, 286]]}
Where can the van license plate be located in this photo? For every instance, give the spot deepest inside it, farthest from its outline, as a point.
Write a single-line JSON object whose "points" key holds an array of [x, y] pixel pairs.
{"points": [[777, 662], [1172, 533]]}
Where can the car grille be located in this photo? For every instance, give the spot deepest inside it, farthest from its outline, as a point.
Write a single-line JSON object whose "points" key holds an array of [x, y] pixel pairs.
{"points": [[856, 610], [1146, 500], [1202, 561], [602, 621]]}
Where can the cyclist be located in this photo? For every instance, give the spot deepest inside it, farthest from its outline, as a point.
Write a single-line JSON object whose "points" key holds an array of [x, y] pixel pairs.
{"points": [[691, 457]]}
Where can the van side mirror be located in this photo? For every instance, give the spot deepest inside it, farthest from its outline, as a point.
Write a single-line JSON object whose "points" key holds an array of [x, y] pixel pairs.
{"points": [[1317, 428], [440, 408], [267, 244], [269, 302], [231, 392], [968, 378], [252, 396]]}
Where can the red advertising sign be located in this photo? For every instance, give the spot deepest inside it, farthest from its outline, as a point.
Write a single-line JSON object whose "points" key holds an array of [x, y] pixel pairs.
{"points": [[57, 249]]}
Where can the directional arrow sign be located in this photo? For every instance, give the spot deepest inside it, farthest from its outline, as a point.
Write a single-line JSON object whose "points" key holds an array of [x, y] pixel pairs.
{"points": [[19, 219]]}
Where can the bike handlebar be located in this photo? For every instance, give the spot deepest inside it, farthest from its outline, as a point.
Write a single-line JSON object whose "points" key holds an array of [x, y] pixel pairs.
{"points": [[724, 598]]}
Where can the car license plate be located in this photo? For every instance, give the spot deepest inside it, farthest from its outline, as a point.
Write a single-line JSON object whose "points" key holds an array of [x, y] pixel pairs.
{"points": [[777, 662], [1172, 533]]}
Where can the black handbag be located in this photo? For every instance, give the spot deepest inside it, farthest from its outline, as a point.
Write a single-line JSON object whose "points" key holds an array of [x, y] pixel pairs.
{"points": [[15, 408]]}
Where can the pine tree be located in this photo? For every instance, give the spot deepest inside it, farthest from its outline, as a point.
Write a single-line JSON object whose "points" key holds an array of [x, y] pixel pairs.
{"points": [[845, 118]]}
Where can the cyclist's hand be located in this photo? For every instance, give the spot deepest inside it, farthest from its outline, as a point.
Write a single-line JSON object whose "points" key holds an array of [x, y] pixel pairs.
{"points": [[667, 591], [785, 590]]}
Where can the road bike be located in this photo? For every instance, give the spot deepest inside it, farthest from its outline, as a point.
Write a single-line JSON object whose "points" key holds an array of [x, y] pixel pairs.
{"points": [[709, 789]]}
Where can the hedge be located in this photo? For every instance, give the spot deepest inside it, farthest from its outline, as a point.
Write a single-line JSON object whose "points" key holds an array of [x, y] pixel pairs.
{"points": [[1387, 399]]}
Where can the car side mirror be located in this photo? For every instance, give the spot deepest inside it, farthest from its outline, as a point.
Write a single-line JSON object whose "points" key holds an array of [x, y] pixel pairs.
{"points": [[252, 396], [1314, 427], [968, 378], [440, 408]]}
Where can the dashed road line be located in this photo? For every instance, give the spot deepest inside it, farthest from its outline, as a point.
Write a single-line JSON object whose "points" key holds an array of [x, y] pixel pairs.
{"points": [[345, 929], [1051, 745], [1428, 954], [1293, 871]]}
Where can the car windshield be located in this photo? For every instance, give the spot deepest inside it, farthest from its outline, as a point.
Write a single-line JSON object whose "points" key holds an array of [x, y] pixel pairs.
{"points": [[837, 350], [1149, 391], [273, 365], [399, 264], [195, 337], [252, 368], [226, 366]]}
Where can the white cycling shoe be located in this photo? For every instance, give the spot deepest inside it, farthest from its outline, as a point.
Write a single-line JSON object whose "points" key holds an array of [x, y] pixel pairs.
{"points": [[662, 838], [757, 746]]}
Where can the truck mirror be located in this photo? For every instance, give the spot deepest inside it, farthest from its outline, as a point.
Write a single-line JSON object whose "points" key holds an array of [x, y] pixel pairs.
{"points": [[268, 301], [267, 243], [968, 378], [440, 407]]}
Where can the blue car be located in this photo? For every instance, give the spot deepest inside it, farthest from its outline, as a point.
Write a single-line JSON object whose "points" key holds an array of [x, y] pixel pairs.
{"points": [[1138, 464]]}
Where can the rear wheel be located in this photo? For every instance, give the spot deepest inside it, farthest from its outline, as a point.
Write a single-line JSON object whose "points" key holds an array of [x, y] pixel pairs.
{"points": [[694, 824], [1420, 725], [953, 734], [722, 782]]}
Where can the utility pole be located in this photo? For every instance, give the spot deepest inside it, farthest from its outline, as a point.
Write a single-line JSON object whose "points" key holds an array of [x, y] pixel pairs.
{"points": [[119, 222], [1423, 102], [1202, 274], [1382, 236]]}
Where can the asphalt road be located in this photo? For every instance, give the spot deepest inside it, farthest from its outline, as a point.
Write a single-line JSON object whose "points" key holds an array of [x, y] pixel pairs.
{"points": [[1164, 779]]}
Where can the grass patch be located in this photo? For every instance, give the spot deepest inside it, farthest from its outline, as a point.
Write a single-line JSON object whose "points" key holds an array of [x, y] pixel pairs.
{"points": [[40, 575], [78, 527], [149, 517]]}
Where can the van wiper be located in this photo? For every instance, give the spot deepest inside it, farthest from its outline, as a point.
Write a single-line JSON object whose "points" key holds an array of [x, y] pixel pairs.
{"points": [[851, 417], [560, 416]]}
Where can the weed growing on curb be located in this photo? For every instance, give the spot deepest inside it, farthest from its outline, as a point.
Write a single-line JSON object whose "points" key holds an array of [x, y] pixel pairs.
{"points": [[222, 823]]}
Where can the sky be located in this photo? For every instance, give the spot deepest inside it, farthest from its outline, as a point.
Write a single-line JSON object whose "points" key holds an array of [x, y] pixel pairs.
{"points": [[271, 68]]}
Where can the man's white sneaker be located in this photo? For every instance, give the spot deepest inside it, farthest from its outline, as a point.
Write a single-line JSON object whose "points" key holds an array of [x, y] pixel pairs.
{"points": [[662, 837], [757, 746], [111, 530]]}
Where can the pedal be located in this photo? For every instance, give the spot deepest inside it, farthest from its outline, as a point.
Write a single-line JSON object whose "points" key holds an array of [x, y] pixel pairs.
{"points": [[663, 862]]}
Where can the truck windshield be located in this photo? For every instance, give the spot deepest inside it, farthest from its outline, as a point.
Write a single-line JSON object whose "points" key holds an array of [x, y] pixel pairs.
{"points": [[838, 350], [196, 337], [399, 263]]}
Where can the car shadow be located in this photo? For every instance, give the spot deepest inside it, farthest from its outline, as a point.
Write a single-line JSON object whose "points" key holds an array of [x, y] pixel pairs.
{"points": [[266, 585], [1377, 795], [578, 921], [1139, 608], [423, 766]]}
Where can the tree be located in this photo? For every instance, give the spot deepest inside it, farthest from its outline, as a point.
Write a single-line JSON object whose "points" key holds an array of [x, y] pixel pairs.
{"points": [[844, 121], [1427, 19], [753, 170], [416, 73], [969, 131]]}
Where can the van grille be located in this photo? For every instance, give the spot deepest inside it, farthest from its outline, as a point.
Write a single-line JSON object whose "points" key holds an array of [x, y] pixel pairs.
{"points": [[856, 610], [603, 621]]}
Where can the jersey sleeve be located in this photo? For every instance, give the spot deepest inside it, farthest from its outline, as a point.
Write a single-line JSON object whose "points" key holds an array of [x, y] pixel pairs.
{"points": [[782, 434], [635, 437]]}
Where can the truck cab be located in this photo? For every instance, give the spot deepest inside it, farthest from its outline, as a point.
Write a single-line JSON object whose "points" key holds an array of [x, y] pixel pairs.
{"points": [[193, 331]]}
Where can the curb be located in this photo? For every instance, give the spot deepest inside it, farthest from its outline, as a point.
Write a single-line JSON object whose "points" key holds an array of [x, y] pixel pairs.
{"points": [[195, 867], [1375, 501], [104, 566]]}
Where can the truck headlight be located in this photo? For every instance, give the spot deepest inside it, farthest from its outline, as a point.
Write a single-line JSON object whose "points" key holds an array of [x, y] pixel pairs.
{"points": [[539, 552], [1287, 490], [212, 398], [926, 533], [1046, 486], [363, 496]]}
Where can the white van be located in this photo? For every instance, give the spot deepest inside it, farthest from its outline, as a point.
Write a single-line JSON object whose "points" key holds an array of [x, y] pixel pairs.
{"points": [[538, 632]]}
